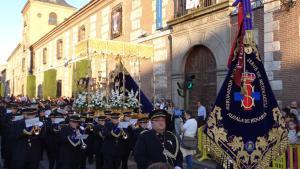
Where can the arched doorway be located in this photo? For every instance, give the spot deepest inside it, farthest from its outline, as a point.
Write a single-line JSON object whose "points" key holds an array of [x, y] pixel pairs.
{"points": [[200, 62]]}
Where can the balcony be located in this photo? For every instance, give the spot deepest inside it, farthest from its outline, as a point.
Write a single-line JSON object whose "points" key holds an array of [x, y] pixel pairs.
{"points": [[205, 7]]}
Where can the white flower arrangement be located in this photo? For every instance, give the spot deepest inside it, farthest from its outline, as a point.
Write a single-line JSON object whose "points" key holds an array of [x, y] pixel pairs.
{"points": [[132, 102], [116, 100], [81, 101], [97, 101]]}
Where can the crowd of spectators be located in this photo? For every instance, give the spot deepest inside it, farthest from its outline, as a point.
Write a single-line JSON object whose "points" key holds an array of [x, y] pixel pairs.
{"points": [[292, 118]]}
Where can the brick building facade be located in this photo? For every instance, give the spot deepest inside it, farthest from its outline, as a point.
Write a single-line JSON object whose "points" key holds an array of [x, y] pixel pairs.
{"points": [[55, 49], [287, 36], [187, 42]]}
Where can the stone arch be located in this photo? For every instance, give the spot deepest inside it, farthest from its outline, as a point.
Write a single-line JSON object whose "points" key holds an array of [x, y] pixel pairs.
{"points": [[200, 62], [183, 43], [214, 43]]}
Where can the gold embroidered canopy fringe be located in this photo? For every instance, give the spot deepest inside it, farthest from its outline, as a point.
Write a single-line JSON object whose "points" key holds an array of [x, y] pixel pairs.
{"points": [[109, 48]]}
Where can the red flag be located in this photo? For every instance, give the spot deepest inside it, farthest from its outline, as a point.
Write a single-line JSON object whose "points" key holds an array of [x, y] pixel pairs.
{"points": [[238, 39]]}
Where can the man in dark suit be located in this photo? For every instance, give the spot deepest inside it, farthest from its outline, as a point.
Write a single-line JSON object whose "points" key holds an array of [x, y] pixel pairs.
{"points": [[158, 145], [26, 142]]}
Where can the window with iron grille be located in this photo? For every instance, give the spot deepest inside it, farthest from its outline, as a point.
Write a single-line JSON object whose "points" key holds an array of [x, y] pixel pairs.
{"points": [[59, 48], [23, 64], [52, 19], [81, 33], [45, 54]]}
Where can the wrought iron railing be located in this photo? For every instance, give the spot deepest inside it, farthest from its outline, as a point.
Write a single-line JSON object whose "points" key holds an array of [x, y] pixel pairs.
{"points": [[180, 6]]}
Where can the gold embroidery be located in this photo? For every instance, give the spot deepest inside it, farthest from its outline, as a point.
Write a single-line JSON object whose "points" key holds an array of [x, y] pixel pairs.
{"points": [[261, 143], [261, 155], [218, 133], [27, 132], [168, 153], [236, 144]]}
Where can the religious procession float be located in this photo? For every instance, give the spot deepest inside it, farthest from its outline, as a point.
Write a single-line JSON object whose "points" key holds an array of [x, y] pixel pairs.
{"points": [[115, 89]]}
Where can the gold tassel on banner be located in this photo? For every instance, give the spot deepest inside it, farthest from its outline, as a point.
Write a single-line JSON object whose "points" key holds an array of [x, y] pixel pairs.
{"points": [[248, 38]]}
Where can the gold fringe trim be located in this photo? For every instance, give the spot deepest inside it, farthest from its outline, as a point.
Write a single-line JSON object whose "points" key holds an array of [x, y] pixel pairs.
{"points": [[28, 132], [223, 158]]}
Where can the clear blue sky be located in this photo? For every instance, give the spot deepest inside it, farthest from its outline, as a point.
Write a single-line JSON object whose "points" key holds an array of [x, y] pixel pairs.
{"points": [[11, 24]]}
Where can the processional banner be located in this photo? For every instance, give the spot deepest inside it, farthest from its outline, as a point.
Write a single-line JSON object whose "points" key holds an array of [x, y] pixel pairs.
{"points": [[245, 128]]}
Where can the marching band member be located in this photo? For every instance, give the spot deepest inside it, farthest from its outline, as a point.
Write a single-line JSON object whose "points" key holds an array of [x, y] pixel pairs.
{"points": [[90, 140], [107, 113], [112, 147], [86, 126], [47, 110], [46, 127], [127, 143], [83, 127], [26, 149], [158, 145], [70, 148], [142, 126], [52, 141], [63, 136], [98, 135], [6, 122]]}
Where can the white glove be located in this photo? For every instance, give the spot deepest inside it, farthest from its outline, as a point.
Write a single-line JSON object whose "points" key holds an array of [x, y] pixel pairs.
{"points": [[40, 124], [176, 167]]}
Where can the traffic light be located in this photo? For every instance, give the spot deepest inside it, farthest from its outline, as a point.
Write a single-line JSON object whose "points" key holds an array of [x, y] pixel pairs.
{"points": [[180, 89], [189, 82]]}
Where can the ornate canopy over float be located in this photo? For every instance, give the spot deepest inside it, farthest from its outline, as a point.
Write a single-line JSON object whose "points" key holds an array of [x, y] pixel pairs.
{"points": [[114, 89]]}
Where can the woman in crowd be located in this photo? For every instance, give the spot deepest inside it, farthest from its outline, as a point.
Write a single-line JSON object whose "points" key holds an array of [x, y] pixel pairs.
{"points": [[189, 129]]}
